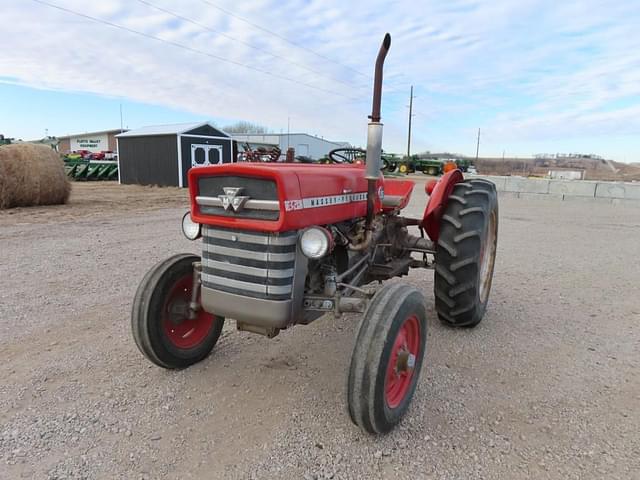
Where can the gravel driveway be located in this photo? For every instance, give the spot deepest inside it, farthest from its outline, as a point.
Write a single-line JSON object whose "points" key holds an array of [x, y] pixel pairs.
{"points": [[546, 387]]}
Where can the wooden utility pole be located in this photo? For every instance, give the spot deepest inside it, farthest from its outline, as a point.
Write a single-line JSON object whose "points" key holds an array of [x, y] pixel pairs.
{"points": [[411, 97], [478, 146]]}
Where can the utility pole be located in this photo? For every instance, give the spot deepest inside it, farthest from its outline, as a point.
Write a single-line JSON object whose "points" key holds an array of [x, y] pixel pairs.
{"points": [[288, 132], [478, 146], [121, 129], [411, 97]]}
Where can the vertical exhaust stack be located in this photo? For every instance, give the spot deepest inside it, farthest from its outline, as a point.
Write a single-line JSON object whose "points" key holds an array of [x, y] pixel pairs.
{"points": [[374, 133]]}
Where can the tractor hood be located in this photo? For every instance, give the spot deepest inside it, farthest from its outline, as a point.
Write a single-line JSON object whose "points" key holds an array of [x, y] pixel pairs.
{"points": [[278, 197]]}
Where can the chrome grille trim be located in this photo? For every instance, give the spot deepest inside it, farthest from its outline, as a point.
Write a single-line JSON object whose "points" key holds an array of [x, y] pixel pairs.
{"points": [[250, 264], [236, 252], [250, 204], [257, 272], [257, 238], [240, 285]]}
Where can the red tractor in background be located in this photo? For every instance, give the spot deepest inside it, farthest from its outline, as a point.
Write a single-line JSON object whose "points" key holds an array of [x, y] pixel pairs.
{"points": [[285, 244]]}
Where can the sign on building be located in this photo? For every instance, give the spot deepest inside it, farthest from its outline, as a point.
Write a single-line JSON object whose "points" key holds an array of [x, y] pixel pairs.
{"points": [[93, 143]]}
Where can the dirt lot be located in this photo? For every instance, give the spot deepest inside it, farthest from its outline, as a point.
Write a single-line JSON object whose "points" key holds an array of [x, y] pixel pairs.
{"points": [[546, 387]]}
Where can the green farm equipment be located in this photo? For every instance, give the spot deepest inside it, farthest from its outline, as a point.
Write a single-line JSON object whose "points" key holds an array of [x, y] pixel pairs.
{"points": [[427, 165], [430, 164], [463, 164], [390, 161], [79, 169]]}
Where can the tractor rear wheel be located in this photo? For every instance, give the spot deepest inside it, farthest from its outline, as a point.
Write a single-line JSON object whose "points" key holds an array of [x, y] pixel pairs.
{"points": [[387, 358], [466, 253], [162, 328]]}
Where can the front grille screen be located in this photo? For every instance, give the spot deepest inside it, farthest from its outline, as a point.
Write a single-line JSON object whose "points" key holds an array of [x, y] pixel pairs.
{"points": [[255, 188]]}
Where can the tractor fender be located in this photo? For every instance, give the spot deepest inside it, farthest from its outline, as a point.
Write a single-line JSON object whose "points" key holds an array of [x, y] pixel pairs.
{"points": [[438, 199]]}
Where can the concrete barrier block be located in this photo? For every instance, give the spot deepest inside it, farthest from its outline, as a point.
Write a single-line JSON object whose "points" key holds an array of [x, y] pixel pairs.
{"points": [[628, 191], [538, 196], [604, 192], [527, 185], [573, 188], [581, 199], [500, 182], [632, 192], [631, 202]]}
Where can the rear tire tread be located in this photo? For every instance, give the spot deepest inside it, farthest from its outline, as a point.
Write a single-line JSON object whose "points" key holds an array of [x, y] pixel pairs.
{"points": [[458, 199], [468, 211], [457, 270], [457, 225], [449, 248]]}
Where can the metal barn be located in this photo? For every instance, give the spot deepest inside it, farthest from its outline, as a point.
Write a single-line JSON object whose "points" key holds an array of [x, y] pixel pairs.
{"points": [[303, 143], [163, 154]]}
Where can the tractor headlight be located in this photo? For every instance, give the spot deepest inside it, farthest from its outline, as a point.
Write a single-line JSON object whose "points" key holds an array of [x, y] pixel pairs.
{"points": [[190, 228], [315, 242]]}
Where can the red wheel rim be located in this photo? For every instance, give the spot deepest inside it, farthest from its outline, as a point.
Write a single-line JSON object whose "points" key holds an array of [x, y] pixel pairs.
{"points": [[404, 356], [180, 330]]}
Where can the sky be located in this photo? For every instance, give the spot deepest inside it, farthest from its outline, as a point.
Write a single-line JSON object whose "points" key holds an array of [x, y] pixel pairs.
{"points": [[535, 76]]}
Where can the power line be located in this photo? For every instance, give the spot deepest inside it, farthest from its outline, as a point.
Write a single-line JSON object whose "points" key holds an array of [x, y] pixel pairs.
{"points": [[275, 34], [191, 49], [259, 49]]}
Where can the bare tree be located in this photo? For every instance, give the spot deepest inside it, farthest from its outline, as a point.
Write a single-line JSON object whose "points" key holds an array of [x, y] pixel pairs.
{"points": [[245, 127]]}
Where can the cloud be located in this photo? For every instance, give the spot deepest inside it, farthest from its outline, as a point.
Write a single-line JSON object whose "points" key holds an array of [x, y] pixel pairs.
{"points": [[523, 71]]}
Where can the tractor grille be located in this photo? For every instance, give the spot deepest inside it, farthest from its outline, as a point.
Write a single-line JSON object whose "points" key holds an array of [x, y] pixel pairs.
{"points": [[251, 264], [262, 203]]}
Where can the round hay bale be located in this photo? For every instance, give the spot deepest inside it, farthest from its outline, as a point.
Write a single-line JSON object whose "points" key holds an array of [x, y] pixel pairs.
{"points": [[31, 175]]}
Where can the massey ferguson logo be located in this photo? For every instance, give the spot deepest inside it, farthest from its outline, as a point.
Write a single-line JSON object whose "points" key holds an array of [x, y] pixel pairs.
{"points": [[233, 199]]}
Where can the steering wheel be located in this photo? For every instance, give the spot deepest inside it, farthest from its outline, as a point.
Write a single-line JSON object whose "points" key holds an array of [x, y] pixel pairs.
{"points": [[346, 155]]}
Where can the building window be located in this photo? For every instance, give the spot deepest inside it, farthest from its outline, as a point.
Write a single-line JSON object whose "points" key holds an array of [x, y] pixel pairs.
{"points": [[198, 156], [214, 156], [203, 155]]}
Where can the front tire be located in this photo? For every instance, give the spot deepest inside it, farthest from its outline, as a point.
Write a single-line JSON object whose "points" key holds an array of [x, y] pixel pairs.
{"points": [[466, 252], [387, 358], [160, 324]]}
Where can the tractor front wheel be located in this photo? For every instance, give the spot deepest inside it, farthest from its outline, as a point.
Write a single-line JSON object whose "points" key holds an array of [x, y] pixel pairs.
{"points": [[466, 253], [163, 327], [387, 358]]}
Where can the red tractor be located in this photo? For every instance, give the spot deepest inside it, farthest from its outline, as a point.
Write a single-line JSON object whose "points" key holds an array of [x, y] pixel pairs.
{"points": [[284, 244]]}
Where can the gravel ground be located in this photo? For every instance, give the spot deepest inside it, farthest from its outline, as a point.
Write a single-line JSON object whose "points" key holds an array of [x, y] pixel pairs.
{"points": [[546, 387]]}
